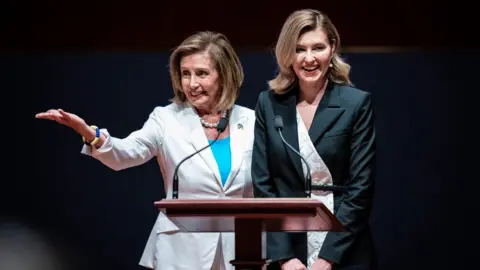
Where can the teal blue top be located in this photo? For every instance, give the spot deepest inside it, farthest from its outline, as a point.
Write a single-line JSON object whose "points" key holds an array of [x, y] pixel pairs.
{"points": [[223, 155]]}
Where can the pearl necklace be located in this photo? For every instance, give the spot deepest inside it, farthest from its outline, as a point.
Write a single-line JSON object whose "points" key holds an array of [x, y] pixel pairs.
{"points": [[211, 125]]}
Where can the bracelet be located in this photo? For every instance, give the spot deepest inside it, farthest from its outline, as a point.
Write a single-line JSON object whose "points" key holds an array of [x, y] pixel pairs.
{"points": [[97, 137]]}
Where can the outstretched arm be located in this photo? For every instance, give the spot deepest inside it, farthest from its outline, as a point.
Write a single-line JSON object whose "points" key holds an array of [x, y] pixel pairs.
{"points": [[136, 149]]}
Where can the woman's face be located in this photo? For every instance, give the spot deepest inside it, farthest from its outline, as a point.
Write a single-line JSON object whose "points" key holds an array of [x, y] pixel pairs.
{"points": [[312, 57], [200, 80]]}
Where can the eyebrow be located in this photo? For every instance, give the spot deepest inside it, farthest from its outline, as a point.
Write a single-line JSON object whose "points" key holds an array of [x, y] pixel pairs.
{"points": [[314, 44], [195, 69]]}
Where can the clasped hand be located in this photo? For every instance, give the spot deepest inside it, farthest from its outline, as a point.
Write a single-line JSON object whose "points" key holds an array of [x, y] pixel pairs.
{"points": [[296, 264]]}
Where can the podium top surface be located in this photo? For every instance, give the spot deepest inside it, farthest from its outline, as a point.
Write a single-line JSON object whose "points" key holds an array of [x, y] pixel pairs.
{"points": [[285, 203], [276, 214]]}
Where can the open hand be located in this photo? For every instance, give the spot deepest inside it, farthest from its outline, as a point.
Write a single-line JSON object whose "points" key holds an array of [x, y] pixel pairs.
{"points": [[60, 116]]}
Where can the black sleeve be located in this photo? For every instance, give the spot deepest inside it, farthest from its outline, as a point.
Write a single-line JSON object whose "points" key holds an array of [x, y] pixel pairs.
{"points": [[278, 243]]}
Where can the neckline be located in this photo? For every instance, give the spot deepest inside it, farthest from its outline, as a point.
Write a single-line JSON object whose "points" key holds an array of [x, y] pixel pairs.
{"points": [[222, 139]]}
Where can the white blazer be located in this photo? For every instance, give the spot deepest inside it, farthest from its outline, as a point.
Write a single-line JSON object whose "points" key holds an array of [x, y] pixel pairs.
{"points": [[171, 133]]}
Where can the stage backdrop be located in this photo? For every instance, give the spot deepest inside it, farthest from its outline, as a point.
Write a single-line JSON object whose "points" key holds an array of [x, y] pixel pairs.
{"points": [[107, 62], [100, 219]]}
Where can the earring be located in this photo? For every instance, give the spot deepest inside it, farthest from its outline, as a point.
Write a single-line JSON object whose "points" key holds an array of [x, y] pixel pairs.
{"points": [[330, 65]]}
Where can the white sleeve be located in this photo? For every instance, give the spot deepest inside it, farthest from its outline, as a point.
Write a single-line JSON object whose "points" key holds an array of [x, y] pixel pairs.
{"points": [[136, 149]]}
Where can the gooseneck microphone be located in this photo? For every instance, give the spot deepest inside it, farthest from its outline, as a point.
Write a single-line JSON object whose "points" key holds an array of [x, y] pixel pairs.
{"points": [[308, 181], [222, 125], [278, 122]]}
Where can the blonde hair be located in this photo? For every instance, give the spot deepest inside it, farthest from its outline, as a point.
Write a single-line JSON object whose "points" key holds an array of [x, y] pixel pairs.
{"points": [[298, 23], [226, 63]]}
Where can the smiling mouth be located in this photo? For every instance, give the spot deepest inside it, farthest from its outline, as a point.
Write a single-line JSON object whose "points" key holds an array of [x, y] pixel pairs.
{"points": [[196, 94], [309, 69]]}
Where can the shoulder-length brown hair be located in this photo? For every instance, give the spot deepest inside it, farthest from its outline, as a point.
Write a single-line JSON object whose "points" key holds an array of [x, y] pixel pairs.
{"points": [[296, 24], [226, 61]]}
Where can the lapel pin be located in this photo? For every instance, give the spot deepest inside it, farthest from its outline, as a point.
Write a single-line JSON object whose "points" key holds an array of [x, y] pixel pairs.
{"points": [[239, 126]]}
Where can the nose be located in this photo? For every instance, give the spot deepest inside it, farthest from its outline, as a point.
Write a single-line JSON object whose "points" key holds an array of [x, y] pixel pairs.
{"points": [[193, 82], [309, 57]]}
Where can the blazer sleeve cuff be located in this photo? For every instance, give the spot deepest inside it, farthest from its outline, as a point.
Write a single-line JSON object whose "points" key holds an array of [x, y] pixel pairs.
{"points": [[330, 255], [106, 146], [279, 247]]}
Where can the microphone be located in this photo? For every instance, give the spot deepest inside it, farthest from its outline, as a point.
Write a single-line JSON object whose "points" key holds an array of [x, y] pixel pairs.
{"points": [[308, 183], [278, 122], [222, 125]]}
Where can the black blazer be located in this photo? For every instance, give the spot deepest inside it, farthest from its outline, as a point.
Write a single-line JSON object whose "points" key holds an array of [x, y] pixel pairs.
{"points": [[343, 134]]}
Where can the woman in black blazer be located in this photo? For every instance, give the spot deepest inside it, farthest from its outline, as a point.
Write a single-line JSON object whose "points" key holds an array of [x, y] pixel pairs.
{"points": [[330, 123]]}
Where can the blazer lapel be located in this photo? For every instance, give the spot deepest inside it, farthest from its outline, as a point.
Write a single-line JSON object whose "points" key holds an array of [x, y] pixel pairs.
{"points": [[198, 139], [238, 131], [328, 111], [286, 107]]}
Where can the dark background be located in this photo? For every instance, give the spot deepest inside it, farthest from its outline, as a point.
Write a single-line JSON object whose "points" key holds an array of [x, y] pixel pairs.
{"points": [[253, 25], [107, 62]]}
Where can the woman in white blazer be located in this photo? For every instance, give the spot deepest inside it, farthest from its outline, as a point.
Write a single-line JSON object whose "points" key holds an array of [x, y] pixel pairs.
{"points": [[206, 77]]}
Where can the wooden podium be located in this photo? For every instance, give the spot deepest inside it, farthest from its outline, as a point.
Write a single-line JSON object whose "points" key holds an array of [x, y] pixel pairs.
{"points": [[248, 218]]}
